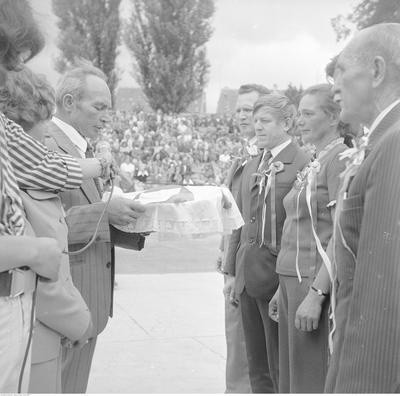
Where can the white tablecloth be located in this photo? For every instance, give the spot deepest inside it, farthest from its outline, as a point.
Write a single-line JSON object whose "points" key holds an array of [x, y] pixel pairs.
{"points": [[191, 211]]}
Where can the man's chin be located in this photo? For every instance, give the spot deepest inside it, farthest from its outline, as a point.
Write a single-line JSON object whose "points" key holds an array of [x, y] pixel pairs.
{"points": [[348, 117]]}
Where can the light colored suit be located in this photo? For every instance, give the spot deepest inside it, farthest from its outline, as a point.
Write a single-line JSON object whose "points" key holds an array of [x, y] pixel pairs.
{"points": [[60, 309], [93, 270], [366, 350]]}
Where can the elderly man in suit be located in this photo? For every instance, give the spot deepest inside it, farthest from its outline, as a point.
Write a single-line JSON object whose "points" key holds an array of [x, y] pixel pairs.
{"points": [[237, 370], [82, 99], [252, 252], [366, 348]]}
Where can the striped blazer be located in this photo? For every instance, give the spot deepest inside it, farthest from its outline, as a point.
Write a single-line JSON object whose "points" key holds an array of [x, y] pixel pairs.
{"points": [[366, 354], [92, 271]]}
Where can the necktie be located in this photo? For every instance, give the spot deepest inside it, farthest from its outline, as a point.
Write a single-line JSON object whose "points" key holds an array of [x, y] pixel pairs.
{"points": [[264, 164], [90, 154]]}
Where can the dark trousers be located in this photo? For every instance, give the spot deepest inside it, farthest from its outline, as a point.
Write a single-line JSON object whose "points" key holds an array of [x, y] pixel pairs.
{"points": [[261, 336], [303, 355], [76, 367], [237, 369]]}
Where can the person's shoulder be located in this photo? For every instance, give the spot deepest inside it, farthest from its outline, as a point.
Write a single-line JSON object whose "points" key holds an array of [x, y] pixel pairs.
{"points": [[302, 155]]}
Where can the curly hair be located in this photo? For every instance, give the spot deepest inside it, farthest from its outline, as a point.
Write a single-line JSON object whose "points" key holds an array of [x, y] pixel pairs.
{"points": [[27, 98], [19, 33]]}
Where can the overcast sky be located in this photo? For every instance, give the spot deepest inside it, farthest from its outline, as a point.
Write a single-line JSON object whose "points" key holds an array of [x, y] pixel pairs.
{"points": [[262, 41]]}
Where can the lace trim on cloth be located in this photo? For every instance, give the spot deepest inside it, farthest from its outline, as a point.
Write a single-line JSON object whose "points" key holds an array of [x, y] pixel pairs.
{"points": [[186, 212]]}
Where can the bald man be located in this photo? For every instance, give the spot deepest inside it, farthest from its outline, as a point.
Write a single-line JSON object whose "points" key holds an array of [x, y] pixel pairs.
{"points": [[366, 349]]}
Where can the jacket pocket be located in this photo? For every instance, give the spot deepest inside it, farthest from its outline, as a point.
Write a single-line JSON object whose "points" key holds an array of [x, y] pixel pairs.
{"points": [[350, 221]]}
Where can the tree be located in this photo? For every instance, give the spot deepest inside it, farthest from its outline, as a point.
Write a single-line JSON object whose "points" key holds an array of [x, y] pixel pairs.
{"points": [[167, 39], [366, 13], [293, 93], [89, 29]]}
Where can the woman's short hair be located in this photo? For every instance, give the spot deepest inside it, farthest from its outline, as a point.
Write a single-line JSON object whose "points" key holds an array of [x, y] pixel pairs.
{"points": [[326, 98], [279, 105], [73, 81], [27, 98], [19, 33]]}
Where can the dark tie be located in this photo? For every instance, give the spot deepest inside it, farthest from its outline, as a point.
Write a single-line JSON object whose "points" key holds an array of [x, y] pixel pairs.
{"points": [[90, 154], [264, 163]]}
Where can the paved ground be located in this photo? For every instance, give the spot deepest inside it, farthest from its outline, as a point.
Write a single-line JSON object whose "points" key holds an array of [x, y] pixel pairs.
{"points": [[167, 334]]}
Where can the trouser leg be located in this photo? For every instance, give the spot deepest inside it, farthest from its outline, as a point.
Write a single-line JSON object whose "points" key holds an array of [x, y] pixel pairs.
{"points": [[14, 330], [256, 346], [307, 351], [237, 370], [76, 367]]}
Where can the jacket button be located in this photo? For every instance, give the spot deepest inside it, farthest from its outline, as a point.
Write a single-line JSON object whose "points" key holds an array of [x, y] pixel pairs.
{"points": [[108, 265]]}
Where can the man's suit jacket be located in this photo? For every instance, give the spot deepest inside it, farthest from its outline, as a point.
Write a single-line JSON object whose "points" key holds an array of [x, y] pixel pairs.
{"points": [[93, 270], [252, 265], [233, 183], [60, 308], [366, 350]]}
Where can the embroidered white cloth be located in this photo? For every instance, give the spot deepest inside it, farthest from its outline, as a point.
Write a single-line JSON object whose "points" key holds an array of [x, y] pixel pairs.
{"points": [[190, 211]]}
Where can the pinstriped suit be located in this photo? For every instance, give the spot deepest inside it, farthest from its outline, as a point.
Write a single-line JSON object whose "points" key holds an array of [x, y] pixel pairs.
{"points": [[366, 355], [93, 270]]}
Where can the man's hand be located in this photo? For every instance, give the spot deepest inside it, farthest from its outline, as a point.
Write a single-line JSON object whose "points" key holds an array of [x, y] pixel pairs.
{"points": [[86, 336], [229, 290], [67, 343], [273, 306], [47, 258], [219, 262], [123, 211], [309, 312]]}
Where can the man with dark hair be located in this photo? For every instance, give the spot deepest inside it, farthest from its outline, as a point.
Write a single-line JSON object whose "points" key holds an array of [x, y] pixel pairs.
{"points": [[237, 372]]}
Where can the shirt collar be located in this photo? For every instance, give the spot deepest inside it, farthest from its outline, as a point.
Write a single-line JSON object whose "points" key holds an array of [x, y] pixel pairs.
{"points": [[76, 138], [277, 149], [382, 115]]}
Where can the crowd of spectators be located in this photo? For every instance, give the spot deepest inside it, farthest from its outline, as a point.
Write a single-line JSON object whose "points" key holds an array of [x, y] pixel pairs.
{"points": [[156, 148]]}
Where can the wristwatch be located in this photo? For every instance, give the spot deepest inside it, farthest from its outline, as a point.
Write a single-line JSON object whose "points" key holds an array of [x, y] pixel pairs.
{"points": [[319, 292]]}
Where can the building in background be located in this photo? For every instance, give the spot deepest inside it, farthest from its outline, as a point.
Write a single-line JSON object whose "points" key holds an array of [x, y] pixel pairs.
{"points": [[227, 101]]}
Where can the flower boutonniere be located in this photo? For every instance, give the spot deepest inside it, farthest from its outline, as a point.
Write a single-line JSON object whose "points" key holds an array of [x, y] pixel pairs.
{"points": [[269, 173], [355, 155], [311, 169]]}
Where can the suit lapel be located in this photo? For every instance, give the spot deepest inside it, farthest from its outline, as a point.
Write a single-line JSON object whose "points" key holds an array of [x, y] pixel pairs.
{"points": [[88, 186], [286, 156], [388, 121], [253, 166]]}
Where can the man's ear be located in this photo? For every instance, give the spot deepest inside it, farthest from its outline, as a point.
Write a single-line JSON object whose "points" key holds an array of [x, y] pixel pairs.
{"points": [[288, 124], [379, 71], [68, 103]]}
